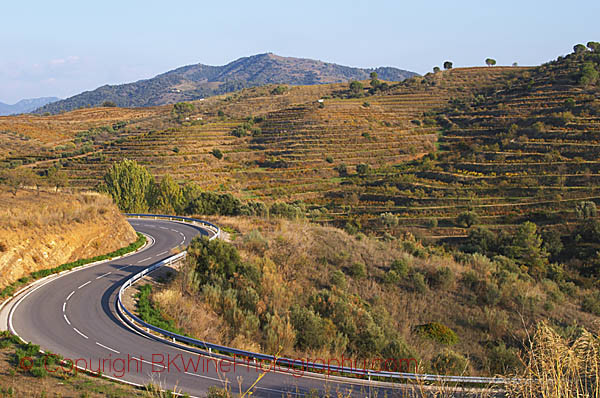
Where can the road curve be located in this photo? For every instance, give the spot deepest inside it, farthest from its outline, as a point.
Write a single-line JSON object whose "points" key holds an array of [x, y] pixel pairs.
{"points": [[75, 316]]}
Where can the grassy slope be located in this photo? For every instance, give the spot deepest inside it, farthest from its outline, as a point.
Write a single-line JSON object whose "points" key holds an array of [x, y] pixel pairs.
{"points": [[487, 304]]}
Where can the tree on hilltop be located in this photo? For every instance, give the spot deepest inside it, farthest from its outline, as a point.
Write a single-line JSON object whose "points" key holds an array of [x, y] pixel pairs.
{"points": [[448, 65], [579, 48], [436, 69], [594, 46], [490, 61]]}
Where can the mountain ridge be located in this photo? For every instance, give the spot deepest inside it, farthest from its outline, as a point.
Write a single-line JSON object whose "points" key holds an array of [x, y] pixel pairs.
{"points": [[25, 105], [191, 82]]}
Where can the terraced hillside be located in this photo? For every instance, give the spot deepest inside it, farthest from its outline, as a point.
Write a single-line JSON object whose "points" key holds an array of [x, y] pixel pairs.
{"points": [[31, 139], [509, 144], [525, 151], [299, 139]]}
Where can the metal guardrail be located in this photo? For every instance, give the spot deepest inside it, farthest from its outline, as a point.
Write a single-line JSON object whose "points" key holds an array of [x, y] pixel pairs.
{"points": [[208, 347]]}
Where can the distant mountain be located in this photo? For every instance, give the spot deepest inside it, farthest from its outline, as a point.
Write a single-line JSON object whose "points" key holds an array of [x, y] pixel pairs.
{"points": [[198, 81], [25, 105]]}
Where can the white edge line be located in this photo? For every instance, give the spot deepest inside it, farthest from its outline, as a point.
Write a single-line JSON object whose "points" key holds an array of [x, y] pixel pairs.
{"points": [[66, 319], [64, 306], [69, 296]]}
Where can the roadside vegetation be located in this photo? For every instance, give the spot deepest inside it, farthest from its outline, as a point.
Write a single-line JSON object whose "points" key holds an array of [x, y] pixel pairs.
{"points": [[307, 291]]}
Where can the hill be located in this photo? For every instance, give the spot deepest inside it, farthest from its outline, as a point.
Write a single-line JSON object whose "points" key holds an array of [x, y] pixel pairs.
{"points": [[25, 105], [199, 81]]}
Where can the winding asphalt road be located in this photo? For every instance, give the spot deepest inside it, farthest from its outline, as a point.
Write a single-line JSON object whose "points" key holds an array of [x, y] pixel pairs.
{"points": [[75, 316]]}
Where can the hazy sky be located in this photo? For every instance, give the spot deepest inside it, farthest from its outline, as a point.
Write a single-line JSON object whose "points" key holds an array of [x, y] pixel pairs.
{"points": [[60, 48]]}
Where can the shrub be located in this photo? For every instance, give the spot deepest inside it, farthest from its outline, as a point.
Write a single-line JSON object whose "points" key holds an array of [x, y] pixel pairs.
{"points": [[400, 266], [338, 279], [388, 220], [503, 360], [289, 211], [437, 332], [442, 278], [342, 170], [216, 152], [358, 270], [310, 328], [254, 241], [467, 219], [213, 260], [449, 362], [329, 159], [279, 90], [417, 280], [362, 168], [392, 277], [591, 304]]}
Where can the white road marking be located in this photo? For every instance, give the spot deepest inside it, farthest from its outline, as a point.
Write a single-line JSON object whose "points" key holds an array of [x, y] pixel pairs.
{"points": [[174, 230], [151, 363], [146, 259], [85, 284], [163, 228], [64, 306], [160, 254], [69, 296], [102, 276], [108, 348], [66, 319], [79, 333]]}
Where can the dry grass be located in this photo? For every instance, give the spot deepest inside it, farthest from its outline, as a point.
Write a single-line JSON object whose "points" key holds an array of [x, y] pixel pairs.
{"points": [[40, 230], [39, 210], [559, 367]]}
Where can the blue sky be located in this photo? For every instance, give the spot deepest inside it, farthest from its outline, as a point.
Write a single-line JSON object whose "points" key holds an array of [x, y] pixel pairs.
{"points": [[60, 48]]}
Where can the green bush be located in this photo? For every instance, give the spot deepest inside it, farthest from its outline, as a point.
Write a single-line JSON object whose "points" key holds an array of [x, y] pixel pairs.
{"points": [[338, 279], [449, 362], [213, 261], [467, 219], [502, 360], [310, 328], [400, 266], [418, 283], [216, 152], [392, 277], [358, 270], [591, 304], [437, 332]]}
